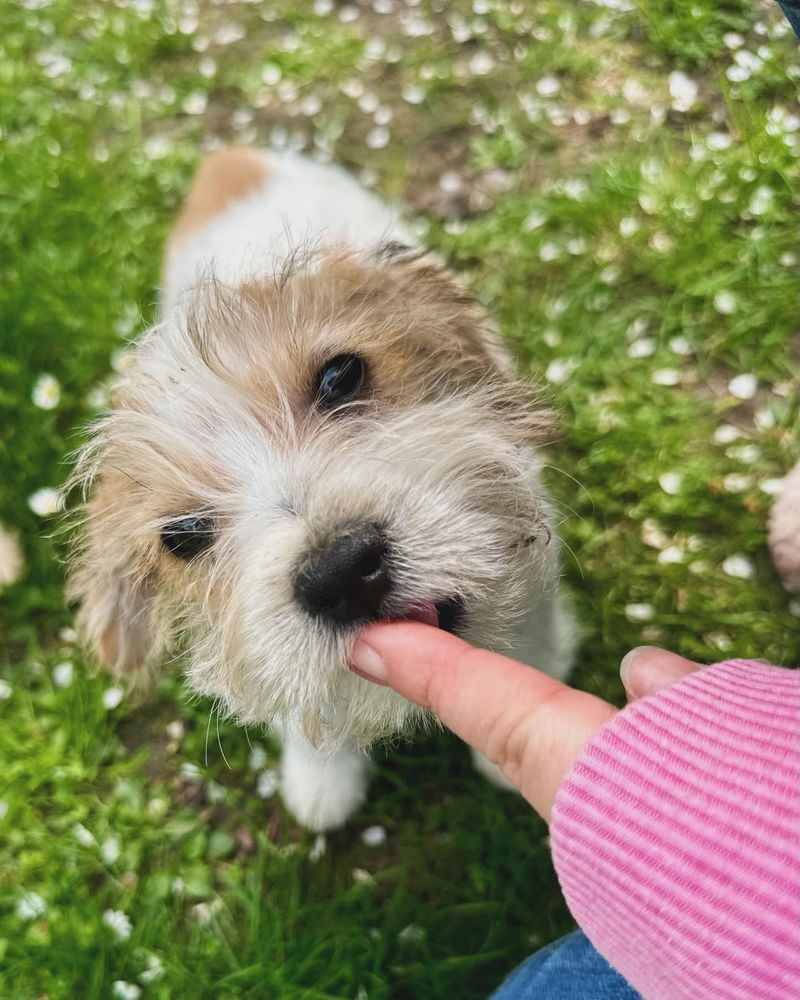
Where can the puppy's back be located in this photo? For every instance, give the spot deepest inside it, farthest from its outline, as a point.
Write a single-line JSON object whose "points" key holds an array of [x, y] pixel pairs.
{"points": [[248, 210]]}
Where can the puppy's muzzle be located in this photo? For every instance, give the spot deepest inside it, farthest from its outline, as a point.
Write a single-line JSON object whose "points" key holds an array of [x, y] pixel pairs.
{"points": [[346, 580]]}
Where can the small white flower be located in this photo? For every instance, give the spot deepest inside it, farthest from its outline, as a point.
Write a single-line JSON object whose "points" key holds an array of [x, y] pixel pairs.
{"points": [[549, 250], [268, 783], [257, 758], [318, 848], [310, 105], [5, 690], [552, 338], [653, 535], [725, 303], [548, 86], [271, 74], [228, 33], [635, 92], [361, 875], [576, 188], [152, 971], [11, 559], [671, 554], [639, 612], [726, 433], [560, 370], [112, 697], [743, 386], [54, 64], [156, 147], [45, 502], [125, 991], [666, 376], [178, 886], [534, 221], [683, 91], [670, 482], [374, 836], [765, 418], [481, 63], [576, 246], [772, 487], [788, 259], [739, 566], [628, 226], [450, 181], [110, 850], [736, 482], [719, 141], [378, 137], [156, 807], [644, 347], [661, 242], [84, 837], [412, 94], [204, 912], [190, 771], [733, 40], [215, 792], [680, 345], [718, 639], [747, 453], [118, 923], [30, 906], [412, 934], [46, 392], [176, 730], [195, 104], [761, 202], [62, 674]]}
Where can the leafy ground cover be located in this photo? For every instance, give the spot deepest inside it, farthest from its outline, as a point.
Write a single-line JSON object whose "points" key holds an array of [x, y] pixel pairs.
{"points": [[618, 182]]}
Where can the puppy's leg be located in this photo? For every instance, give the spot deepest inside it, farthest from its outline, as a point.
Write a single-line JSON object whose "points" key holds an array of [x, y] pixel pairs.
{"points": [[321, 792], [546, 639]]}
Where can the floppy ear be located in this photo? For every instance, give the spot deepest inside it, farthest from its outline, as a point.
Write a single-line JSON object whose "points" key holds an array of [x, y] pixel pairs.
{"points": [[117, 590]]}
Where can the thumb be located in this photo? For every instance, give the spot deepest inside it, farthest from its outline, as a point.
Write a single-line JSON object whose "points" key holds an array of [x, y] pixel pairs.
{"points": [[527, 723], [647, 669]]}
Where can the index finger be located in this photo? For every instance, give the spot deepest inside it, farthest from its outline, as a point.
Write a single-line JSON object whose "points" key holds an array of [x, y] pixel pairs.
{"points": [[528, 723]]}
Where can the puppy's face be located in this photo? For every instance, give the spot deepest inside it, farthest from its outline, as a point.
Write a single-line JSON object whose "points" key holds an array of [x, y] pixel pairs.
{"points": [[286, 461]]}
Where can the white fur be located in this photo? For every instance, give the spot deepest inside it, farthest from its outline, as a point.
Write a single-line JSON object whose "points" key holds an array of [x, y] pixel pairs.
{"points": [[300, 202]]}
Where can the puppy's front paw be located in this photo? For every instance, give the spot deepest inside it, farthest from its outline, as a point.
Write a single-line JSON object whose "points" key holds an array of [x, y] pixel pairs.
{"points": [[322, 793]]}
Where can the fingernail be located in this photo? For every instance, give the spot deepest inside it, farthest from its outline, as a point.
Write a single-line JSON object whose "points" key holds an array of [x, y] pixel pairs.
{"points": [[367, 662], [626, 665]]}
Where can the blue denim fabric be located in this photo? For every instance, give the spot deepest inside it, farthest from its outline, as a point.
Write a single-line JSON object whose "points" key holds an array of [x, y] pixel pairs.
{"points": [[791, 8], [568, 969]]}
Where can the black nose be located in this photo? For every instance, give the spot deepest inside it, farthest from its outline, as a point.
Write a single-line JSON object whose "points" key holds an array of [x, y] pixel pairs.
{"points": [[346, 580]]}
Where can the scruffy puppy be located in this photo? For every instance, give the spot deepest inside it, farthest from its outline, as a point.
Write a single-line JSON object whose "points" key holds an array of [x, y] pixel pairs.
{"points": [[306, 441]]}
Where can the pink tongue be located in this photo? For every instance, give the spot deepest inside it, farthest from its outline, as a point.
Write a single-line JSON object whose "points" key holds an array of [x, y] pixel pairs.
{"points": [[425, 613]]}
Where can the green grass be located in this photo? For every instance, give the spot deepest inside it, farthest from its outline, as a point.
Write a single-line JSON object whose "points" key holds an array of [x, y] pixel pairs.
{"points": [[616, 237]]}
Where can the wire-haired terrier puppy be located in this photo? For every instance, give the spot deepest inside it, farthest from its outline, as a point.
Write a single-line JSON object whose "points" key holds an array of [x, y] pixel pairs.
{"points": [[306, 441]]}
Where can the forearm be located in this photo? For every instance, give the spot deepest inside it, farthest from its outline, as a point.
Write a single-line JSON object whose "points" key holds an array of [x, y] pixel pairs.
{"points": [[676, 837]]}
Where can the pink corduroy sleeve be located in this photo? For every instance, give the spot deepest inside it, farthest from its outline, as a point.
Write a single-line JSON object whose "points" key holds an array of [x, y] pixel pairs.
{"points": [[676, 837]]}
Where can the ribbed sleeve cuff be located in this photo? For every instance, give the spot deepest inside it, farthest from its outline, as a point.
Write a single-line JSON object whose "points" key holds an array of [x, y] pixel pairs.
{"points": [[676, 837]]}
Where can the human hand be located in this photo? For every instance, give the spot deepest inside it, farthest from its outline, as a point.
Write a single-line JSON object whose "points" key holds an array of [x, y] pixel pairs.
{"points": [[529, 724]]}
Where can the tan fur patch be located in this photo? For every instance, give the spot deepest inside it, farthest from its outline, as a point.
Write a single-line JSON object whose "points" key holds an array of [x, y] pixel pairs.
{"points": [[224, 176]]}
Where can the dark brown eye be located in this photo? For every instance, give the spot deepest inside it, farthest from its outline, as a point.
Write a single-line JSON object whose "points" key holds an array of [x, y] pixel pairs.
{"points": [[187, 537], [339, 380]]}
